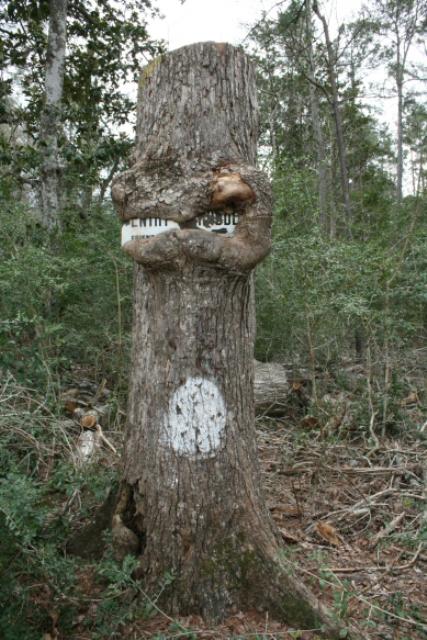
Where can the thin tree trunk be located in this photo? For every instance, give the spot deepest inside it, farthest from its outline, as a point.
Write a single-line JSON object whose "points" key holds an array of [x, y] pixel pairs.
{"points": [[399, 88], [334, 180], [272, 105], [322, 171], [406, 16], [51, 116], [191, 504], [107, 180], [342, 152]]}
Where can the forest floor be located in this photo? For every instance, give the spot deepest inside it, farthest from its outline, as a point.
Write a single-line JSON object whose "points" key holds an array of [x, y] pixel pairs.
{"points": [[350, 520], [352, 511], [353, 521]]}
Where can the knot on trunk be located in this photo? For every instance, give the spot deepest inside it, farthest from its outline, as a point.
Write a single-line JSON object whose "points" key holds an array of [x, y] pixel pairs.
{"points": [[236, 188], [230, 190]]}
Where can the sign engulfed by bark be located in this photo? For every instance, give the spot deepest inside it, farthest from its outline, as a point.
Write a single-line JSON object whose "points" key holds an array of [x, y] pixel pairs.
{"points": [[197, 216], [215, 221]]}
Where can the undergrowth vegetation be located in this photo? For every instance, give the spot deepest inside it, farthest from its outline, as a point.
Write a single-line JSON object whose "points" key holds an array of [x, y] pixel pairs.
{"points": [[40, 486], [64, 300], [64, 312]]}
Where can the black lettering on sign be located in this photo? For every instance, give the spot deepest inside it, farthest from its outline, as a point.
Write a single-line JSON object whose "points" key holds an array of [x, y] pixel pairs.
{"points": [[143, 228], [218, 222]]}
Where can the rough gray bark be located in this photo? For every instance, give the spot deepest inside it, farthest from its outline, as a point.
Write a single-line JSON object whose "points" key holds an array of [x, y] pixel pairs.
{"points": [[191, 492], [51, 117]]}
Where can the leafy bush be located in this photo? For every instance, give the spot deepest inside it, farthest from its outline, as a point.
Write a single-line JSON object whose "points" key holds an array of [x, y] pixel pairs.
{"points": [[312, 293], [39, 484], [65, 301]]}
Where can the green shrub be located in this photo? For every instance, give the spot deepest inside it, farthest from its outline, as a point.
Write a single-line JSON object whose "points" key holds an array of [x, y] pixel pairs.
{"points": [[63, 302]]}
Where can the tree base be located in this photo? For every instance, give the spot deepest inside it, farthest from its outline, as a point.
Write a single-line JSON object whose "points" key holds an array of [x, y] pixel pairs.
{"points": [[241, 572]]}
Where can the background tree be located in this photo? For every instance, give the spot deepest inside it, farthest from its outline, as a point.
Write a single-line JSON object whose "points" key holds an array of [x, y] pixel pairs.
{"points": [[398, 24], [331, 64], [375, 223], [106, 44], [50, 120]]}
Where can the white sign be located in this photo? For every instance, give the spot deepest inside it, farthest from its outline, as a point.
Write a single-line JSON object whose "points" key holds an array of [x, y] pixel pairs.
{"points": [[145, 228], [223, 223]]}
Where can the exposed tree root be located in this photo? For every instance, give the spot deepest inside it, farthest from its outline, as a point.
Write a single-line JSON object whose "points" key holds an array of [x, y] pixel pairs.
{"points": [[275, 588], [87, 542], [250, 576]]}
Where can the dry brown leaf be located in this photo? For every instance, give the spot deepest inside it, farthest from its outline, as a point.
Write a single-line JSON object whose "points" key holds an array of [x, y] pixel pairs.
{"points": [[411, 398], [70, 406], [286, 510], [289, 537], [328, 533], [236, 624], [88, 421], [309, 422]]}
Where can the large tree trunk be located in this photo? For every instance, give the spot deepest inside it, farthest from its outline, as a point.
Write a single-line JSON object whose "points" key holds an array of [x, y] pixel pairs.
{"points": [[51, 116], [190, 501], [195, 468]]}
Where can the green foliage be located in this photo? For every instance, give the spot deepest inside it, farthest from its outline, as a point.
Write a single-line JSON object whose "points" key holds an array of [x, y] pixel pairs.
{"points": [[124, 600], [65, 303], [107, 44], [313, 291], [28, 555], [37, 483], [337, 286]]}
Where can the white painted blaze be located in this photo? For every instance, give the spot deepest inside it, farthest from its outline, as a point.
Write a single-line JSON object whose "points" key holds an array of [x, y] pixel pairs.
{"points": [[196, 418]]}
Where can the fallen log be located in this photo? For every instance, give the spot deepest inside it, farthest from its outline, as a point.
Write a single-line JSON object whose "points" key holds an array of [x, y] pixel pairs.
{"points": [[279, 392]]}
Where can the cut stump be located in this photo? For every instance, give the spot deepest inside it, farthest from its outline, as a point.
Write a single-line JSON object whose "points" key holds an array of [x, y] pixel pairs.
{"points": [[190, 496]]}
